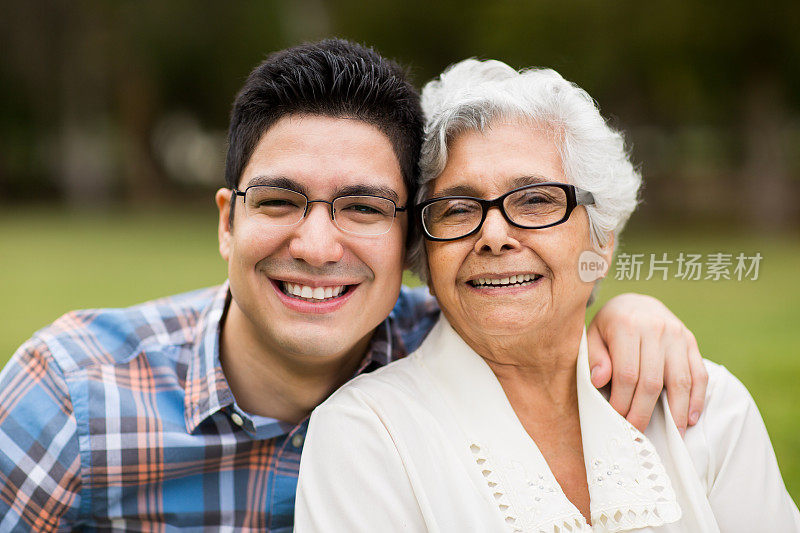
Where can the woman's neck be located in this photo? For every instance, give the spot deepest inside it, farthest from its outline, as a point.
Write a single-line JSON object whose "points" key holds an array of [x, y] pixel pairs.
{"points": [[538, 375], [543, 357]]}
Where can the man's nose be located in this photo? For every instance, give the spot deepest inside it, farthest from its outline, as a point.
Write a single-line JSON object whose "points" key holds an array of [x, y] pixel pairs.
{"points": [[495, 235], [316, 239]]}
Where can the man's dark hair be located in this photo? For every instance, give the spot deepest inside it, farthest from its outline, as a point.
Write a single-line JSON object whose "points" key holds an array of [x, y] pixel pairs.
{"points": [[335, 78]]}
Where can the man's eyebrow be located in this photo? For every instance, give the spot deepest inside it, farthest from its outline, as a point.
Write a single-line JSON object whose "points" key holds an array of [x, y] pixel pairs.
{"points": [[470, 190], [349, 190], [368, 190], [277, 181]]}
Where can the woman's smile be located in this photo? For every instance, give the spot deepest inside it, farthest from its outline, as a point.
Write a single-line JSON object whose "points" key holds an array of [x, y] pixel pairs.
{"points": [[494, 285]]}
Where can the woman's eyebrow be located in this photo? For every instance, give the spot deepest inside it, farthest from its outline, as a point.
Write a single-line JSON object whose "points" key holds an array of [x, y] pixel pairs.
{"points": [[528, 180], [457, 190], [469, 190]]}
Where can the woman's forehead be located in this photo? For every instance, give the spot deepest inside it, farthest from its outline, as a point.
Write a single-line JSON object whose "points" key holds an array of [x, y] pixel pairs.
{"points": [[503, 157]]}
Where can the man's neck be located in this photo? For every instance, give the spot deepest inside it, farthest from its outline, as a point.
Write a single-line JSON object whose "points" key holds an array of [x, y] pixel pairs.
{"points": [[267, 382]]}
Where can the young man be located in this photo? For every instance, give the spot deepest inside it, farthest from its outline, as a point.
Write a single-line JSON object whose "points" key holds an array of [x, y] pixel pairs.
{"points": [[190, 412]]}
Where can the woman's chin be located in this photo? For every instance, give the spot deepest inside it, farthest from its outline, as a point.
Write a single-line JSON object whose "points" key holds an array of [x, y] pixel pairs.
{"points": [[503, 320]]}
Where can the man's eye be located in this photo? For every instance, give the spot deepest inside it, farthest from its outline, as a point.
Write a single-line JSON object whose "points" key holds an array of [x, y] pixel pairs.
{"points": [[363, 209], [276, 203]]}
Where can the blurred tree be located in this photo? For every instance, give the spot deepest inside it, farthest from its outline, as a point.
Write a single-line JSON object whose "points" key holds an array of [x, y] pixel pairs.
{"points": [[685, 66], [708, 90]]}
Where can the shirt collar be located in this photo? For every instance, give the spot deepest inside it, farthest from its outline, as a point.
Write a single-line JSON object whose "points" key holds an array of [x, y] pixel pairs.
{"points": [[628, 485], [207, 389], [382, 346]]}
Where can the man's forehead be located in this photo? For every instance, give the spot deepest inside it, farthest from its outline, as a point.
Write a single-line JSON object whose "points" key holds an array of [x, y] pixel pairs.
{"points": [[326, 156]]}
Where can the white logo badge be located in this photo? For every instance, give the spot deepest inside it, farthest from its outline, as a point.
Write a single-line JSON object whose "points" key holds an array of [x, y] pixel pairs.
{"points": [[591, 266]]}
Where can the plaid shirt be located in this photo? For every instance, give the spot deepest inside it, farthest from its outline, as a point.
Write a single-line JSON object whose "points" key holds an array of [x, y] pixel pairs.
{"points": [[121, 419]]}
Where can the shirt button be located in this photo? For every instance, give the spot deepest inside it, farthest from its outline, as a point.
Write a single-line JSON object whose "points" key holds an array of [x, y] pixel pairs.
{"points": [[237, 419], [297, 440]]}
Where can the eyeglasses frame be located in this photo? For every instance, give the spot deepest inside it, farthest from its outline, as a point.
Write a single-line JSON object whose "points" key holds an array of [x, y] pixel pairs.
{"points": [[575, 197], [332, 213]]}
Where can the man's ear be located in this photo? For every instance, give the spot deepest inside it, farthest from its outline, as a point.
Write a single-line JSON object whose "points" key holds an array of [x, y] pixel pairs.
{"points": [[223, 199]]}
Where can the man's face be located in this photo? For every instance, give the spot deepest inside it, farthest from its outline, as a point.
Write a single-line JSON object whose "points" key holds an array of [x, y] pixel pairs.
{"points": [[323, 158]]}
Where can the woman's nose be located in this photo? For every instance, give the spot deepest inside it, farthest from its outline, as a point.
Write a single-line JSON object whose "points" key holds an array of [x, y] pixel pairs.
{"points": [[495, 235]]}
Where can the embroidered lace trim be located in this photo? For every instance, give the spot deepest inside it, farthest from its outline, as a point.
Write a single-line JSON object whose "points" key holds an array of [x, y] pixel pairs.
{"points": [[655, 507], [569, 523], [509, 515], [658, 507]]}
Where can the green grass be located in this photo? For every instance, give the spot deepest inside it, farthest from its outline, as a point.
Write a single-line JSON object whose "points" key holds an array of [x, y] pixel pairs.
{"points": [[54, 261]]}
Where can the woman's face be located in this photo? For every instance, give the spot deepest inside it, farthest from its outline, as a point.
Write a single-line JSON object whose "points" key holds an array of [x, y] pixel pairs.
{"points": [[485, 165]]}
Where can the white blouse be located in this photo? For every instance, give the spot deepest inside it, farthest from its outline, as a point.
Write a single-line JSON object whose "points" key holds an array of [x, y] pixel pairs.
{"points": [[431, 443]]}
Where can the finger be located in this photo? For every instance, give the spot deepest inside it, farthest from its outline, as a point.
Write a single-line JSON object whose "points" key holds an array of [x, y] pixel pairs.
{"points": [[624, 351], [650, 384], [678, 380], [599, 360], [697, 398]]}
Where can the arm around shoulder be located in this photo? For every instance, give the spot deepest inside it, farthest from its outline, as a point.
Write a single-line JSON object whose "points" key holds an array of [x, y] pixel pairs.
{"points": [[352, 476], [745, 487], [39, 453]]}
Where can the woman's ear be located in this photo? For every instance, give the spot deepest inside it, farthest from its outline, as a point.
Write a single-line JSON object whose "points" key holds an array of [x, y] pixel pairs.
{"points": [[607, 252], [595, 263]]}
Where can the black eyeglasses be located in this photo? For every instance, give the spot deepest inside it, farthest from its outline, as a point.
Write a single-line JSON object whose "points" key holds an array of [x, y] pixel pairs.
{"points": [[361, 215], [537, 206]]}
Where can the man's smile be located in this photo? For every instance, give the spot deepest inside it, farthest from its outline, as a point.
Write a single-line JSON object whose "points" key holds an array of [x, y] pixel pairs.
{"points": [[314, 298], [313, 293]]}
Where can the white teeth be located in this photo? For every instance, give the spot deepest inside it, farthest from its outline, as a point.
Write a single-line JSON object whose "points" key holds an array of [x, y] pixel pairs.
{"points": [[510, 280], [312, 293]]}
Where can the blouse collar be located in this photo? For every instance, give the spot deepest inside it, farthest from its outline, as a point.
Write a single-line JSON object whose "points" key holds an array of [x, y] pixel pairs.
{"points": [[628, 486]]}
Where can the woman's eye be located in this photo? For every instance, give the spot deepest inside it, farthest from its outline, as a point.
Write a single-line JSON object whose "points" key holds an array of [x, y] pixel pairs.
{"points": [[458, 209], [454, 211], [535, 199]]}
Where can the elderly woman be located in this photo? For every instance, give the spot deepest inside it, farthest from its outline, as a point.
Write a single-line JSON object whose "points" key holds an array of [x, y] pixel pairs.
{"points": [[493, 424]]}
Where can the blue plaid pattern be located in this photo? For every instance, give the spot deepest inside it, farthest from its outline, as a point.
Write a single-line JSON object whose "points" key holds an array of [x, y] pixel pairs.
{"points": [[121, 419]]}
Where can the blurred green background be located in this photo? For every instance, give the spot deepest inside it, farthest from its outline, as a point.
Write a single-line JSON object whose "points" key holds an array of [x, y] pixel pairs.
{"points": [[112, 141]]}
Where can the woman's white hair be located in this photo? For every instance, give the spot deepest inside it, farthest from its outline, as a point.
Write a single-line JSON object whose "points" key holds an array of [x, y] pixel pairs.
{"points": [[472, 94]]}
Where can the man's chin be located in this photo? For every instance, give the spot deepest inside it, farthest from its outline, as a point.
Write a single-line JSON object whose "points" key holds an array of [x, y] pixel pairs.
{"points": [[319, 348]]}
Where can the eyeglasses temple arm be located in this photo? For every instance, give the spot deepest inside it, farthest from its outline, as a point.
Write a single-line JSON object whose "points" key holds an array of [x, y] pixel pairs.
{"points": [[583, 197]]}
